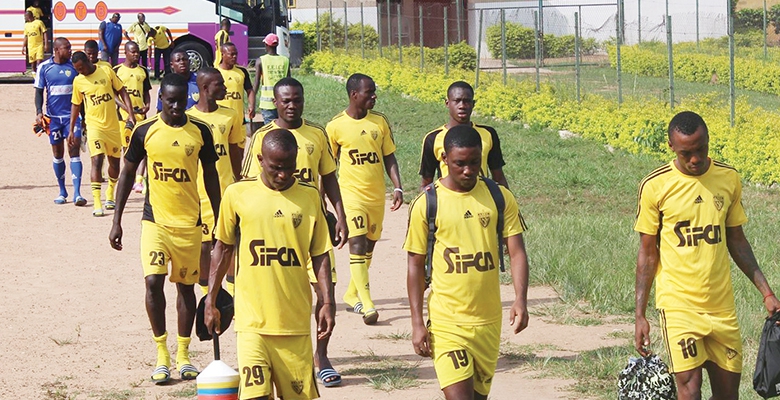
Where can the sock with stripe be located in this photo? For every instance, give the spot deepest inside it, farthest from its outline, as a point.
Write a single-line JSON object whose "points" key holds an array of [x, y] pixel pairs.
{"points": [[111, 189], [204, 287], [163, 356], [351, 295], [183, 351], [59, 172], [76, 169], [357, 267], [369, 256], [96, 195]]}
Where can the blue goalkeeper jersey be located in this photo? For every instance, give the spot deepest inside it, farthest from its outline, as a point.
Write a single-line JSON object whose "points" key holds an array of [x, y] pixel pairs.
{"points": [[57, 80]]}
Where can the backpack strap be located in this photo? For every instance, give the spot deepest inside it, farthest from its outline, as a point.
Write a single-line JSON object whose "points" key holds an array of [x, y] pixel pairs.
{"points": [[430, 214], [498, 198]]}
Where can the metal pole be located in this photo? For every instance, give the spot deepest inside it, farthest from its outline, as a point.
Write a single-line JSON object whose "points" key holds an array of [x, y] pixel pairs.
{"points": [[346, 28], [732, 89], [362, 33], [379, 27], [398, 18], [541, 31], [619, 42], [389, 28], [479, 49], [671, 60], [764, 26], [536, 50], [503, 43], [330, 24], [422, 51], [317, 24], [459, 17], [446, 43], [697, 24], [639, 23], [577, 53]]}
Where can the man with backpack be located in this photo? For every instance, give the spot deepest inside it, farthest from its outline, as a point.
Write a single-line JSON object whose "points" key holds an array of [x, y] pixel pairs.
{"points": [[460, 223]]}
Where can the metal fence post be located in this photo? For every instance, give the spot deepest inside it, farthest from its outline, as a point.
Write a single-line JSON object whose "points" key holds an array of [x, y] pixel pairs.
{"points": [[346, 28], [639, 19], [479, 49], [389, 28], [330, 24], [362, 33], [446, 42], [398, 18], [379, 27], [671, 60], [541, 32], [619, 43], [697, 24], [317, 24], [459, 18], [536, 50], [765, 51], [732, 89], [503, 44], [422, 50], [577, 53]]}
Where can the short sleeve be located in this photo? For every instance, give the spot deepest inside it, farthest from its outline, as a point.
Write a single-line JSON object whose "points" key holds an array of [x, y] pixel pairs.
{"points": [[207, 153], [227, 221], [77, 97], [736, 213], [40, 78], [388, 142], [320, 241], [417, 228], [136, 151], [115, 81], [236, 135], [102, 26], [514, 224], [327, 161], [147, 82], [247, 80], [495, 158], [648, 213], [332, 138], [428, 162], [251, 165]]}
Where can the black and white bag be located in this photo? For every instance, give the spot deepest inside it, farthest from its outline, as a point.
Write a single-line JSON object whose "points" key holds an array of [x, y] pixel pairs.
{"points": [[646, 378], [766, 379]]}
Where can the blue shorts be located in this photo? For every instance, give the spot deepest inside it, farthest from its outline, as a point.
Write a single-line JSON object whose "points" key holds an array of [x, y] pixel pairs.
{"points": [[59, 129]]}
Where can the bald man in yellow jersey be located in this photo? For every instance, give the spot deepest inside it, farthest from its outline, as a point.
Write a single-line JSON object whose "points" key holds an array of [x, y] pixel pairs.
{"points": [[137, 83], [315, 160], [97, 88], [237, 81], [229, 138], [276, 225], [689, 220], [174, 144], [365, 149], [463, 331]]}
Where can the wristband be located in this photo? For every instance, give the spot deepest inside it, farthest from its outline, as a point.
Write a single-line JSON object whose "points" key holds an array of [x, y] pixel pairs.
{"points": [[398, 190], [770, 294]]}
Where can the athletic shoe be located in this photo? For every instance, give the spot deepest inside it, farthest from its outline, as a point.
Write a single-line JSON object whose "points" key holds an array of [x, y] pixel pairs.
{"points": [[60, 200], [98, 213], [109, 204], [80, 201], [370, 316], [138, 187]]}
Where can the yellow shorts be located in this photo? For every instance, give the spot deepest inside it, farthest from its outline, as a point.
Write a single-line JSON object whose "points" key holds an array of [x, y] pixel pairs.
{"points": [[207, 221], [102, 143], [364, 219], [462, 352], [310, 270], [692, 338], [285, 362], [180, 246], [35, 53]]}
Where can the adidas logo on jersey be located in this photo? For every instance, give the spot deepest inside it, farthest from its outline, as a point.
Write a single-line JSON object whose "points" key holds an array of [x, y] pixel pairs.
{"points": [[175, 143], [698, 200], [278, 214], [468, 215], [362, 133]]}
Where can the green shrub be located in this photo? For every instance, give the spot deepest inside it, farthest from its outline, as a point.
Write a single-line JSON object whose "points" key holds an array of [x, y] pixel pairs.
{"points": [[462, 56], [749, 19], [370, 36], [558, 46], [519, 41]]}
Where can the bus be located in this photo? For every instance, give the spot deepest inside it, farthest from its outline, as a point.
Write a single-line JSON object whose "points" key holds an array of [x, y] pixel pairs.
{"points": [[193, 24]]}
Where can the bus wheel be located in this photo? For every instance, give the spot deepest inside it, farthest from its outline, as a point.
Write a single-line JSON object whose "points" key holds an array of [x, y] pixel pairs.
{"points": [[198, 55]]}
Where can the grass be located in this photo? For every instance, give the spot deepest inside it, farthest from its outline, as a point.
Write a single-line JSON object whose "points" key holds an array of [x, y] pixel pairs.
{"points": [[566, 314], [189, 391], [67, 341], [58, 389], [579, 201], [388, 374], [394, 337], [115, 394]]}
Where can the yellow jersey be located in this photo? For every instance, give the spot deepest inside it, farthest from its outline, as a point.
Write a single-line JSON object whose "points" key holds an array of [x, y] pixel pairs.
{"points": [[314, 156], [172, 155], [97, 92], [359, 146], [140, 34], [464, 281], [226, 129], [160, 39], [690, 214], [237, 82], [36, 12], [136, 81], [220, 38], [34, 31], [433, 147], [275, 234]]}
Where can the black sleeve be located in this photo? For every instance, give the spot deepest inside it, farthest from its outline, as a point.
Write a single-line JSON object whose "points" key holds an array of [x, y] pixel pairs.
{"points": [[428, 162], [247, 80], [38, 101], [147, 82], [136, 151], [495, 157], [207, 153]]}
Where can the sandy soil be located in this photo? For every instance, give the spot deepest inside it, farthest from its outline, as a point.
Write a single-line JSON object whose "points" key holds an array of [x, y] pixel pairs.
{"points": [[75, 324]]}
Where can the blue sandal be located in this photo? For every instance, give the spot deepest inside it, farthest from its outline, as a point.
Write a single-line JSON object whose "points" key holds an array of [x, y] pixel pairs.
{"points": [[329, 377]]}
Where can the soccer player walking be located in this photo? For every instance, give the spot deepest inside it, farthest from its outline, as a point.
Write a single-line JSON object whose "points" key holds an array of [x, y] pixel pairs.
{"points": [[460, 104], [35, 44], [365, 149], [689, 220], [96, 88], [229, 138], [314, 161], [463, 331], [282, 229], [55, 76], [173, 145], [237, 81]]}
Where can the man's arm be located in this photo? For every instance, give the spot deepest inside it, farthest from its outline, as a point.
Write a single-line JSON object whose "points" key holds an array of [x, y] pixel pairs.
{"points": [[211, 181], [236, 154], [252, 103], [124, 32], [39, 105], [258, 75], [126, 99], [518, 261], [24, 45], [101, 31], [321, 266], [220, 261], [415, 289], [124, 186], [147, 102], [330, 184], [75, 109], [391, 166], [498, 176], [168, 32], [646, 265], [46, 42], [742, 253]]}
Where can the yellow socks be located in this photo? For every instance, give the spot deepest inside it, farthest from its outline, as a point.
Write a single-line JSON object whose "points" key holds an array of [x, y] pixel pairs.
{"points": [[369, 256], [96, 195], [204, 289], [359, 272], [163, 356], [139, 179], [111, 189], [183, 351]]}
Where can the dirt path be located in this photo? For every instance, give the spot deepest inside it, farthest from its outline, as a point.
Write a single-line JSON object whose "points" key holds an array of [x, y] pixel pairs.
{"points": [[75, 321]]}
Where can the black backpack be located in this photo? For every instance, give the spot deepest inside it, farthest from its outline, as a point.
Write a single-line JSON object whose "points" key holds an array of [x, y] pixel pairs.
{"points": [[432, 203], [766, 379]]}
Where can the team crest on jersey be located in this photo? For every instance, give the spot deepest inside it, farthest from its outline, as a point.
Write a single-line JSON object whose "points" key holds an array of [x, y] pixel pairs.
{"points": [[718, 200], [222, 128], [297, 386], [102, 81], [68, 73], [309, 148], [189, 149], [195, 97], [484, 219], [373, 228], [297, 218], [183, 273], [374, 134], [731, 353]]}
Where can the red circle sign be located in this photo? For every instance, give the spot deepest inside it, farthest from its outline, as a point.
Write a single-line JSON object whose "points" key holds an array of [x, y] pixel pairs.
{"points": [[101, 10], [80, 10], [60, 11]]}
